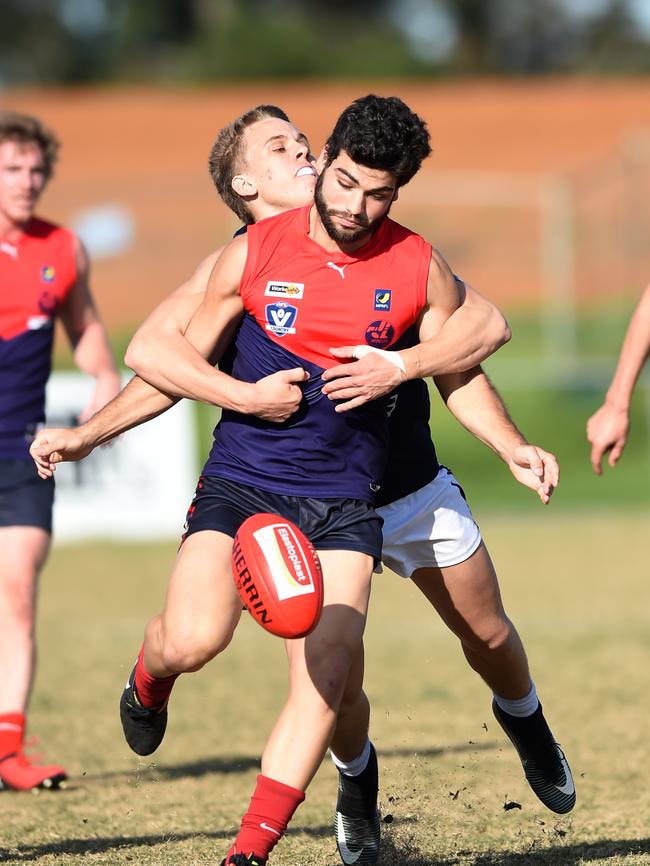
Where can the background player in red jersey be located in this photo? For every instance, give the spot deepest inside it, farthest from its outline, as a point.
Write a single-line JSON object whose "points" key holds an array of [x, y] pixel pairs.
{"points": [[43, 274], [608, 428]]}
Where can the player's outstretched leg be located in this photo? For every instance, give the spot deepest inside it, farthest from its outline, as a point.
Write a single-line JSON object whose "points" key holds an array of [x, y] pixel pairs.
{"points": [[143, 709], [357, 825], [16, 770], [545, 767]]}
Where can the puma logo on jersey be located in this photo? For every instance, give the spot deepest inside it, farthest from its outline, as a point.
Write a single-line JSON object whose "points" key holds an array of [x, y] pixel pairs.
{"points": [[8, 249], [338, 268]]}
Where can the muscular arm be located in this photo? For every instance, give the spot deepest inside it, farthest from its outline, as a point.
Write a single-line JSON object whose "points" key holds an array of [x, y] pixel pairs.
{"points": [[87, 336], [184, 370], [458, 329], [608, 428], [473, 401]]}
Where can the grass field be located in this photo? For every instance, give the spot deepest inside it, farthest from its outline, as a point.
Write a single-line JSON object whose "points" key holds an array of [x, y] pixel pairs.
{"points": [[575, 585]]}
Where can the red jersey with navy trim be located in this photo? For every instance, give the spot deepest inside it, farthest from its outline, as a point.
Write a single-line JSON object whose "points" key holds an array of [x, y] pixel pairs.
{"points": [[37, 273], [299, 301]]}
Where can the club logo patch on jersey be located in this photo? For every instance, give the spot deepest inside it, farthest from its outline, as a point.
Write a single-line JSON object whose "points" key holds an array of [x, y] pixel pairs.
{"points": [[280, 318], [382, 299], [379, 333], [48, 273], [276, 289]]}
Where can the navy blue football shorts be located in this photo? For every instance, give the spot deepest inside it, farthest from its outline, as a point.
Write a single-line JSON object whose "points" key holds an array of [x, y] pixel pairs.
{"points": [[330, 524], [25, 499]]}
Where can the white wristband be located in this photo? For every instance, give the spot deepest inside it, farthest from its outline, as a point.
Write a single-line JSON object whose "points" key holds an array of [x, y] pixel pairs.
{"points": [[394, 357]]}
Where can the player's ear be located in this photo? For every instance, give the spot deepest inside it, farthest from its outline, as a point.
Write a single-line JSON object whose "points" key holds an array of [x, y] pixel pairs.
{"points": [[396, 194], [243, 185]]}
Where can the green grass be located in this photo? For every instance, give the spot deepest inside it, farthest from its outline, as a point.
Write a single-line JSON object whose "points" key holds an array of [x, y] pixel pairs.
{"points": [[576, 586]]}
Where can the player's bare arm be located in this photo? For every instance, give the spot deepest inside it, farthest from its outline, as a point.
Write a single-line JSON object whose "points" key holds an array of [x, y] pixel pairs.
{"points": [[473, 401], [459, 328], [190, 373], [608, 428], [136, 403], [87, 336]]}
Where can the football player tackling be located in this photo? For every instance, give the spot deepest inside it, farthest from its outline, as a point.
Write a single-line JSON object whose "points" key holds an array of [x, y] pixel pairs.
{"points": [[453, 571]]}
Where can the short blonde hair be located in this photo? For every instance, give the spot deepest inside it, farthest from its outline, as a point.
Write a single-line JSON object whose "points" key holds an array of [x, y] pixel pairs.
{"points": [[225, 159]]}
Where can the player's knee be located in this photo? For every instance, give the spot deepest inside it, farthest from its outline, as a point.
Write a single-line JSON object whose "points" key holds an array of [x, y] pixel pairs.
{"points": [[17, 611], [491, 636], [190, 652]]}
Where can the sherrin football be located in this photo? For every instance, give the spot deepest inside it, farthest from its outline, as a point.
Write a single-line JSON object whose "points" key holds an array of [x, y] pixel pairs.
{"points": [[278, 575]]}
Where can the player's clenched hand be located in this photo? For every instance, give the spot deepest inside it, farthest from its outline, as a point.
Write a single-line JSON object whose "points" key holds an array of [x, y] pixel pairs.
{"points": [[607, 430], [57, 445], [373, 375], [277, 397], [535, 468]]}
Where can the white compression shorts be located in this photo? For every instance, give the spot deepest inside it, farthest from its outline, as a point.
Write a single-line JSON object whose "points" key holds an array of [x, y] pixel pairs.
{"points": [[430, 528]]}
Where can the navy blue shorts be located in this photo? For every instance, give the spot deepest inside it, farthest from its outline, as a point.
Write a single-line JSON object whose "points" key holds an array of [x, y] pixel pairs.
{"points": [[25, 499], [330, 524]]}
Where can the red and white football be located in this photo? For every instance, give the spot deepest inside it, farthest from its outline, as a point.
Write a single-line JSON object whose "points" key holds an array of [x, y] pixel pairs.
{"points": [[278, 575]]}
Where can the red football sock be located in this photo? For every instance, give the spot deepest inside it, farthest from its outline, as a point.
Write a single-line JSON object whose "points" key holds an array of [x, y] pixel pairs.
{"points": [[271, 808], [152, 691], [12, 729]]}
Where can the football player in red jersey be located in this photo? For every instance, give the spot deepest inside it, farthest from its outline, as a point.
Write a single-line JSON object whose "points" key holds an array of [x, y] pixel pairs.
{"points": [[44, 274], [497, 655]]}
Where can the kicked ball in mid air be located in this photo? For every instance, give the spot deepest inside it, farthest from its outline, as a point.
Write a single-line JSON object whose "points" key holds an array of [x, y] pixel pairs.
{"points": [[278, 575]]}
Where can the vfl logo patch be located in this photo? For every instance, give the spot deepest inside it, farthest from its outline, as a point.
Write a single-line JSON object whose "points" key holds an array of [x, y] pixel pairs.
{"points": [[379, 333], [284, 290], [280, 318], [382, 299], [289, 565], [48, 273]]}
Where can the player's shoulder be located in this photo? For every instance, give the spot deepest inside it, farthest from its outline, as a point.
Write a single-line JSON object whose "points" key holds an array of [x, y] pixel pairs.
{"points": [[45, 230]]}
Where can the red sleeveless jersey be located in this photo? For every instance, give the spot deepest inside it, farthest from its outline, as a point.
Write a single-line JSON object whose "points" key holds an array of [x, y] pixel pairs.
{"points": [[37, 273], [299, 301], [310, 300]]}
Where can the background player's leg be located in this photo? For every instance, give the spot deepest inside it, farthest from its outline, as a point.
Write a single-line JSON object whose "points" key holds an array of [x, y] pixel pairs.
{"points": [[24, 551], [468, 600], [319, 670]]}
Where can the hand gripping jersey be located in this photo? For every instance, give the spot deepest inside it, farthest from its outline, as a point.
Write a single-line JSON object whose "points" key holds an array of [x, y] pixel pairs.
{"points": [[36, 275], [299, 301]]}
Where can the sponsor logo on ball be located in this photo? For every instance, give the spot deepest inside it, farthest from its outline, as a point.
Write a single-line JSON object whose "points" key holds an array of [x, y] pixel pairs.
{"points": [[288, 563], [246, 586]]}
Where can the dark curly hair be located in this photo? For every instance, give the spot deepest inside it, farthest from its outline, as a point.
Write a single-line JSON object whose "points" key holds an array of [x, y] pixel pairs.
{"points": [[226, 158], [383, 133]]}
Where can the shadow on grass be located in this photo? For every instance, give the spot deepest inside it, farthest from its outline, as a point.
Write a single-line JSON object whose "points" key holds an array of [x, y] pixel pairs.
{"points": [[402, 853], [151, 770], [406, 853]]}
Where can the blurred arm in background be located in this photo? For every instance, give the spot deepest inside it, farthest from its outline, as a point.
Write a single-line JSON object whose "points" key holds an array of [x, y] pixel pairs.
{"points": [[608, 428], [473, 401]]}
